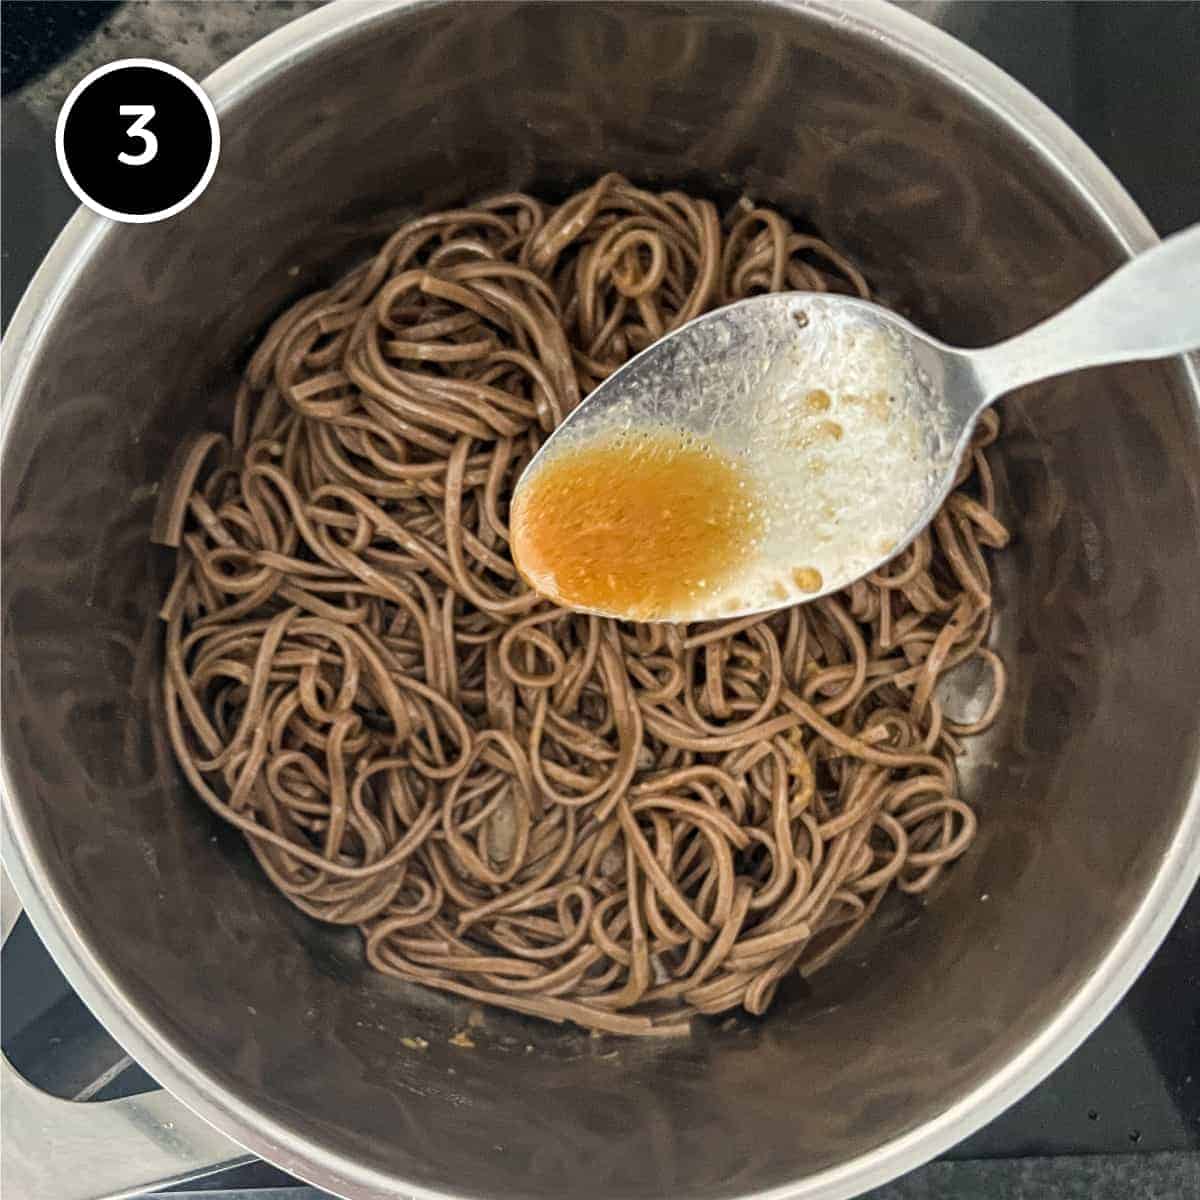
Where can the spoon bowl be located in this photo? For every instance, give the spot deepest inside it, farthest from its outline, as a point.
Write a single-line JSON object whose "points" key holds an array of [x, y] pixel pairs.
{"points": [[846, 423]]}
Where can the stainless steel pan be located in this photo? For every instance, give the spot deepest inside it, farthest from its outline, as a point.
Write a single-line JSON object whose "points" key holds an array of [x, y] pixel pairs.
{"points": [[975, 210]]}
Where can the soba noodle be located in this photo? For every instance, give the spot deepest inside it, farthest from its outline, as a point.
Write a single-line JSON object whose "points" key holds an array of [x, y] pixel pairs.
{"points": [[615, 825]]}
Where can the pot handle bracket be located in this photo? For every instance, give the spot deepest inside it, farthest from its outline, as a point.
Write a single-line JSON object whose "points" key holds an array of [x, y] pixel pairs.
{"points": [[102, 1150]]}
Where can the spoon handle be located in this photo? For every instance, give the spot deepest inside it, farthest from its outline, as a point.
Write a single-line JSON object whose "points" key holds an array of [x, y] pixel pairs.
{"points": [[1148, 308]]}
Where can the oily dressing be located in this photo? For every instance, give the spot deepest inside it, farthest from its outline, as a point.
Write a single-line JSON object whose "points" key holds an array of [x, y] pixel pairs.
{"points": [[645, 524]]}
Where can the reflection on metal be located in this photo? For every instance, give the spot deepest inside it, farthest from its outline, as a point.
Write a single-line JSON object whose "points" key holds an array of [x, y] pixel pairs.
{"points": [[114, 1148]]}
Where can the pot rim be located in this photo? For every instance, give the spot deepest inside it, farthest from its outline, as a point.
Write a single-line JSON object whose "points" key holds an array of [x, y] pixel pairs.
{"points": [[1079, 169]]}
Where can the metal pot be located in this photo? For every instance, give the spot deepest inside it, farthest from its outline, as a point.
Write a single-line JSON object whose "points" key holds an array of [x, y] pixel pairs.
{"points": [[975, 210]]}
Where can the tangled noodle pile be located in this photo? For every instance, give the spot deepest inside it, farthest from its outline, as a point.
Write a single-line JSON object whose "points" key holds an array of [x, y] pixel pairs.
{"points": [[610, 824]]}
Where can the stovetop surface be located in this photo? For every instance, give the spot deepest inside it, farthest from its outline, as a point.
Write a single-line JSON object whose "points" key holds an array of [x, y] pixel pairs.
{"points": [[1122, 74]]}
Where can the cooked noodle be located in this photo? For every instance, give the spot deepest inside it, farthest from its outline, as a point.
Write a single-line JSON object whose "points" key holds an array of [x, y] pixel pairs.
{"points": [[610, 824]]}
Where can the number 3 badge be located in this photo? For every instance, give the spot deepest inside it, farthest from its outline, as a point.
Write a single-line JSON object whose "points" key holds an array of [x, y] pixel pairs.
{"points": [[137, 140]]}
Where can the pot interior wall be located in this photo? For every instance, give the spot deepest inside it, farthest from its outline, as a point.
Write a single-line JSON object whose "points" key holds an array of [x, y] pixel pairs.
{"points": [[1080, 786]]}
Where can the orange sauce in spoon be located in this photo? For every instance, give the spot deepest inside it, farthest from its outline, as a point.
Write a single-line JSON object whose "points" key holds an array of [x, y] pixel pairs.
{"points": [[646, 525]]}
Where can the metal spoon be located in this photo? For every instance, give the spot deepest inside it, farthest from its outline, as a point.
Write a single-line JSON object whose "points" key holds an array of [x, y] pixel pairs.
{"points": [[853, 422]]}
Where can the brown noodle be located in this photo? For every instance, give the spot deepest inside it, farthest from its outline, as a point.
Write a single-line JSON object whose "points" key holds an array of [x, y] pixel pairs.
{"points": [[611, 824]]}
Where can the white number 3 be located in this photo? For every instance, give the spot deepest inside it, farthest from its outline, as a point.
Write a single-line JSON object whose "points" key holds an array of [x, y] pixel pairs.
{"points": [[144, 114]]}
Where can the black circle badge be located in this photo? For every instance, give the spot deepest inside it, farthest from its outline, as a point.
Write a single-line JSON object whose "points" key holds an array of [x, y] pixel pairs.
{"points": [[137, 140]]}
